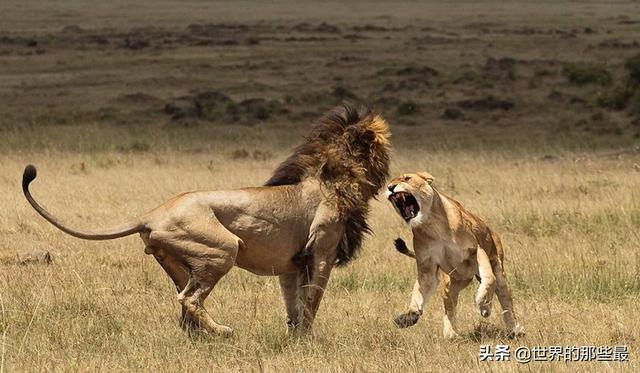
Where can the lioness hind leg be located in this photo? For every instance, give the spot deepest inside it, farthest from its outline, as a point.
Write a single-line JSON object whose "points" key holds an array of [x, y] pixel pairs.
{"points": [[450, 299], [487, 287], [506, 301]]}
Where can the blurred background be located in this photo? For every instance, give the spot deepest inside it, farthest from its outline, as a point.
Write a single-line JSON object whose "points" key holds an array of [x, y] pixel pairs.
{"points": [[119, 75]]}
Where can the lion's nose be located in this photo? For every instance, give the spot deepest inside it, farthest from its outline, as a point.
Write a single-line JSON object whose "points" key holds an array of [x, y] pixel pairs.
{"points": [[391, 187]]}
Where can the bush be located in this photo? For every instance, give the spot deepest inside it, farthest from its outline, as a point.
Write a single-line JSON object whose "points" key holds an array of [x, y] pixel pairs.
{"points": [[582, 74], [407, 108], [634, 103], [633, 66], [616, 99], [628, 93]]}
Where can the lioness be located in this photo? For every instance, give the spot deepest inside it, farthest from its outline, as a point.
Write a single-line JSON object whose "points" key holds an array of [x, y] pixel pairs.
{"points": [[310, 216], [449, 238]]}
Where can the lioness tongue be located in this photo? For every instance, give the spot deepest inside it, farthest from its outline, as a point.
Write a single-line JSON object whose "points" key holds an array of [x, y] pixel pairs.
{"points": [[408, 211]]}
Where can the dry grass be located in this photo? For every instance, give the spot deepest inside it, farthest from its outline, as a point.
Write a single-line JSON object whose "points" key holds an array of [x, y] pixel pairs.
{"points": [[568, 224], [556, 175]]}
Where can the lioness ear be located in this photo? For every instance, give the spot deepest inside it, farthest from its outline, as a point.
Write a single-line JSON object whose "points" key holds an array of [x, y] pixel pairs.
{"points": [[426, 176]]}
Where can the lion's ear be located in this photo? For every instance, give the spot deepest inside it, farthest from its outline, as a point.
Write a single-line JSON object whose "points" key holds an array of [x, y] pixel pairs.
{"points": [[426, 176], [369, 136]]}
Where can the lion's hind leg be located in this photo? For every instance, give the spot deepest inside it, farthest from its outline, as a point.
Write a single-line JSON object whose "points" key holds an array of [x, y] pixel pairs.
{"points": [[208, 251], [179, 274]]}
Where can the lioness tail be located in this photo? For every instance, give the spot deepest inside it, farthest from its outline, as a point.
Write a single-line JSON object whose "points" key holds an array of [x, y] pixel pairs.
{"points": [[402, 248], [130, 228]]}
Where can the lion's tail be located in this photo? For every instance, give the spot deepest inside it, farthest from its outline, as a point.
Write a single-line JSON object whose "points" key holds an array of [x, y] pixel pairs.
{"points": [[402, 248], [130, 228]]}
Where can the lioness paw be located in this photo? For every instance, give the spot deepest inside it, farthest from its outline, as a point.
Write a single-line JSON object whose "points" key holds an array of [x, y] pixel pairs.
{"points": [[517, 331], [451, 334], [406, 319], [485, 309]]}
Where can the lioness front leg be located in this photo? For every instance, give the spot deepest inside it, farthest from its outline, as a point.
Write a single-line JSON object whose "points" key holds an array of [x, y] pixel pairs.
{"points": [[450, 300], [423, 289]]}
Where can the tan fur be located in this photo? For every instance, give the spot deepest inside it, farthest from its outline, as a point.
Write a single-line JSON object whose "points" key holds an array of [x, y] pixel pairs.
{"points": [[448, 237], [310, 217]]}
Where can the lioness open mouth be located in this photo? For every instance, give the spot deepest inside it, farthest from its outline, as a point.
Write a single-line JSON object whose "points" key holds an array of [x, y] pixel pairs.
{"points": [[406, 204]]}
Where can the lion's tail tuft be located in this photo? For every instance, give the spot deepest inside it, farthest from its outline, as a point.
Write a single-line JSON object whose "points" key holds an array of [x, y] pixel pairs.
{"points": [[29, 174]]}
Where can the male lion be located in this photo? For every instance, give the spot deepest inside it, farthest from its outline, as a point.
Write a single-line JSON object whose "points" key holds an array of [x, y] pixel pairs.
{"points": [[448, 237], [310, 216]]}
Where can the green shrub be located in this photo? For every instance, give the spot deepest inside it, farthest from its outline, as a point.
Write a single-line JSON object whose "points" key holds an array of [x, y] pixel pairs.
{"points": [[582, 74], [617, 98], [407, 108], [633, 66], [634, 103]]}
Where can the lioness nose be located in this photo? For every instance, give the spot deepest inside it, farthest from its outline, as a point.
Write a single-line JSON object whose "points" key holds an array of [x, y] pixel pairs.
{"points": [[391, 188]]}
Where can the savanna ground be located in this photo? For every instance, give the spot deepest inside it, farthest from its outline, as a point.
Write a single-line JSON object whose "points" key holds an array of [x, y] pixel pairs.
{"points": [[523, 111]]}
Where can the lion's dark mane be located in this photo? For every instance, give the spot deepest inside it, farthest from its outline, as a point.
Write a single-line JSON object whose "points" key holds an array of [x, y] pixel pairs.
{"points": [[348, 151]]}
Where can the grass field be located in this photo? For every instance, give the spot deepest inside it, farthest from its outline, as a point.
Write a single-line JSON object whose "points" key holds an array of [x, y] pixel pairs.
{"points": [[119, 108]]}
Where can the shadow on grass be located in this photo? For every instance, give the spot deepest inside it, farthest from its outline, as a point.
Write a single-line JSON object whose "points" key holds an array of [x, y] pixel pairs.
{"points": [[484, 331]]}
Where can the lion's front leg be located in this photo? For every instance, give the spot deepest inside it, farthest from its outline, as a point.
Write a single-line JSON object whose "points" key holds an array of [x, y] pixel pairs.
{"points": [[313, 290], [320, 253], [290, 283]]}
